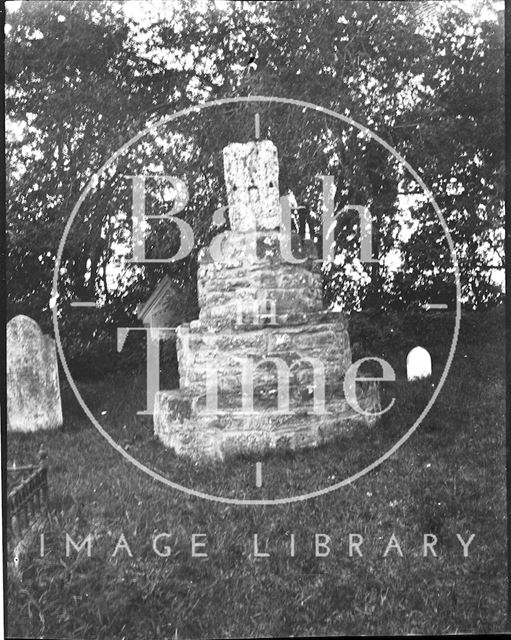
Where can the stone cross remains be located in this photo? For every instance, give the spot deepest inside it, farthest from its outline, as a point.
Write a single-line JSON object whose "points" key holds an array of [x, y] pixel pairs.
{"points": [[264, 364], [33, 391], [252, 180]]}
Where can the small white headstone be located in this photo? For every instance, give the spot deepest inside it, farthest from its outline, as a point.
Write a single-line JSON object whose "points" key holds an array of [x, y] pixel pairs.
{"points": [[418, 364], [33, 391]]}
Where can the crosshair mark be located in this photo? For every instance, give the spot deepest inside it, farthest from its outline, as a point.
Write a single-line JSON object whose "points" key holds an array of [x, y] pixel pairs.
{"points": [[257, 126], [84, 304], [259, 474], [429, 306]]}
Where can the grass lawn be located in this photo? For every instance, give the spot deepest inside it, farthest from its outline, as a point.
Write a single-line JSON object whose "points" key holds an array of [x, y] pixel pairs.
{"points": [[447, 479]]}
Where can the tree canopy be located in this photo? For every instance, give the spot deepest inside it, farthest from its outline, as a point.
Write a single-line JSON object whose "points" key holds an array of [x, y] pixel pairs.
{"points": [[83, 77]]}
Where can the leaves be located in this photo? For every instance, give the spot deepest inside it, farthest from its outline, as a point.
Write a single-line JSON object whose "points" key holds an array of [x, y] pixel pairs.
{"points": [[85, 76]]}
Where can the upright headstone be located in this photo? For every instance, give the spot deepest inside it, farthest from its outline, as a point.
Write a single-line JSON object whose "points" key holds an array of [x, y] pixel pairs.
{"points": [[418, 364], [33, 391]]}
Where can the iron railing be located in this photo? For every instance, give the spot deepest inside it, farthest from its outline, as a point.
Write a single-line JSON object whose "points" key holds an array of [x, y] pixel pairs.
{"points": [[28, 500]]}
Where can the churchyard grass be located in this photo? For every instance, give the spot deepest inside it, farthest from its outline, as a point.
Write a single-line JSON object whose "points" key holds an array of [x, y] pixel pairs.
{"points": [[448, 478]]}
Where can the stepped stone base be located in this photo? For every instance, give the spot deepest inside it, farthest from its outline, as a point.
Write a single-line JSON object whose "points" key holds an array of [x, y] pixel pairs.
{"points": [[325, 338], [228, 332], [181, 424], [262, 336]]}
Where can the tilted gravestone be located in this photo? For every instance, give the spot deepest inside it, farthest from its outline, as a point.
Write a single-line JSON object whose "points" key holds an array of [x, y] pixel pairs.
{"points": [[164, 307], [418, 364], [33, 391]]}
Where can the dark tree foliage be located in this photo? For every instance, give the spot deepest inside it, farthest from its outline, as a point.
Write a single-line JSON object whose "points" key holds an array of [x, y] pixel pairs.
{"points": [[83, 77]]}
